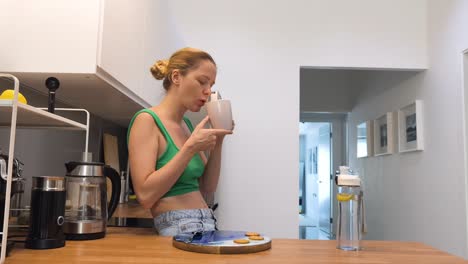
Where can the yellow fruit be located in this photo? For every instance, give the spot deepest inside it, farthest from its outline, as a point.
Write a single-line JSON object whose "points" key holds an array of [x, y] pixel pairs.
{"points": [[9, 94], [344, 197]]}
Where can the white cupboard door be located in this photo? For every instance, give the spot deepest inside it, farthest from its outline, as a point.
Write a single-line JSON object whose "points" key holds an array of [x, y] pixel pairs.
{"points": [[121, 46], [49, 36]]}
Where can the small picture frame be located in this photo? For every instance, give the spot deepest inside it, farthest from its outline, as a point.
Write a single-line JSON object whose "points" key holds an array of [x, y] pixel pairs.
{"points": [[383, 135], [410, 124], [364, 139]]}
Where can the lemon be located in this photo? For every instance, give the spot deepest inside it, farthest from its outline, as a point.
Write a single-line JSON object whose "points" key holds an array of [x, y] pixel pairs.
{"points": [[344, 197], [9, 94]]}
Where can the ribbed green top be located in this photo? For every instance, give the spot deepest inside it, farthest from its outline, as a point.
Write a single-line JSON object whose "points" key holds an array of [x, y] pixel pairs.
{"points": [[188, 181]]}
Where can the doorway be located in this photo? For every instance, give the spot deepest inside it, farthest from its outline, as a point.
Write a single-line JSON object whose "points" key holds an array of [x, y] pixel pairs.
{"points": [[315, 159], [465, 118]]}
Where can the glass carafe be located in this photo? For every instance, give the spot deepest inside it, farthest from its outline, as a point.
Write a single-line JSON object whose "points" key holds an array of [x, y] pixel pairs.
{"points": [[89, 206], [85, 199], [86, 209]]}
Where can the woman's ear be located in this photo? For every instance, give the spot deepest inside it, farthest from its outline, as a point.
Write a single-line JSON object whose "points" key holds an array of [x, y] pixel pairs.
{"points": [[175, 77]]}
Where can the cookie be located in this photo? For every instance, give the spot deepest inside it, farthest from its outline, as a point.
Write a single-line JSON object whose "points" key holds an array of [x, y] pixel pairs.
{"points": [[256, 238], [252, 234], [241, 241]]}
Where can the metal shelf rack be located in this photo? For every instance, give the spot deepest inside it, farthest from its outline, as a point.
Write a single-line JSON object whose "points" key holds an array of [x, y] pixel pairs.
{"points": [[16, 114]]}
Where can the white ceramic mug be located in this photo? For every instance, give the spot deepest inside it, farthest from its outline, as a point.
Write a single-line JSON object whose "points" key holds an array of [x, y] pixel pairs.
{"points": [[220, 114]]}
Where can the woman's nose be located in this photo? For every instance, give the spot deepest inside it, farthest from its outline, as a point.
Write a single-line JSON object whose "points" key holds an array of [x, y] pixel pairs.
{"points": [[207, 91]]}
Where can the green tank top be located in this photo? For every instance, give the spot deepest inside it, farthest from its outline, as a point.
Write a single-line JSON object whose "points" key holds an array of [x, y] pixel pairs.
{"points": [[188, 181]]}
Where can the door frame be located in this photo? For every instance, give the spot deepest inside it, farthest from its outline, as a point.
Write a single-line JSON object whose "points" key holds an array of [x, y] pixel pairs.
{"points": [[464, 85], [339, 148]]}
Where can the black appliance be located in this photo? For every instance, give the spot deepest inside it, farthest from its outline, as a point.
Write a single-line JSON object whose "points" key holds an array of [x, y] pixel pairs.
{"points": [[17, 184], [47, 213], [17, 189]]}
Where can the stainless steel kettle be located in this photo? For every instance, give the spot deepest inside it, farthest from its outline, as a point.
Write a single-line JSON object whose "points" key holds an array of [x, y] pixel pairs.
{"points": [[86, 208], [17, 186]]}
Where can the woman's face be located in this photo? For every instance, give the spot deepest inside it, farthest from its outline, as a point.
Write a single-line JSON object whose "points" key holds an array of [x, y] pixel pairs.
{"points": [[195, 86]]}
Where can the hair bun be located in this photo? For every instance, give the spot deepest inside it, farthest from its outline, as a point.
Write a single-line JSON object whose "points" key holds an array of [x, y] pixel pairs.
{"points": [[159, 69]]}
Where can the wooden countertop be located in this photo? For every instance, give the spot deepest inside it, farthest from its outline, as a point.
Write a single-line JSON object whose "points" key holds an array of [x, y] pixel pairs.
{"points": [[141, 245]]}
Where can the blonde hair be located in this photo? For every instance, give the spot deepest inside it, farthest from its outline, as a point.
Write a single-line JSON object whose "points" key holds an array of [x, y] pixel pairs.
{"points": [[183, 60]]}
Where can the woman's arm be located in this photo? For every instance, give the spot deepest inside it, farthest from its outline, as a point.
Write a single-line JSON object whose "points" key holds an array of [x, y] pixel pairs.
{"points": [[210, 177], [150, 184]]}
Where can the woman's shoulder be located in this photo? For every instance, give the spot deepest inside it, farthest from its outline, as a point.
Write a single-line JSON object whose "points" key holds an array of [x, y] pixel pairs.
{"points": [[146, 115], [144, 112], [143, 125], [143, 118]]}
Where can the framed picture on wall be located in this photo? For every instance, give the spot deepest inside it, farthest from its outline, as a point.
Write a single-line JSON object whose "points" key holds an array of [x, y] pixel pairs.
{"points": [[410, 127], [383, 134], [364, 139]]}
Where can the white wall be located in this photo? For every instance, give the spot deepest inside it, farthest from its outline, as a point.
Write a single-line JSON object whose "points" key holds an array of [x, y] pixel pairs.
{"points": [[158, 44], [465, 95], [259, 47], [420, 196]]}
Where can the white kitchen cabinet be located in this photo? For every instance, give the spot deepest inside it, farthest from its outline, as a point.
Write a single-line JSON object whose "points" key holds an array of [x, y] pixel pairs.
{"points": [[121, 51], [49, 36], [97, 49]]}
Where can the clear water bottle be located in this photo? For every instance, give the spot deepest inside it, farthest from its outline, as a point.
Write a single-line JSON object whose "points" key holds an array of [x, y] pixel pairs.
{"points": [[351, 216]]}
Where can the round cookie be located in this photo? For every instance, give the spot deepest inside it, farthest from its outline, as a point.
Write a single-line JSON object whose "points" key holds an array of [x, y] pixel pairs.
{"points": [[252, 234], [256, 238], [241, 241]]}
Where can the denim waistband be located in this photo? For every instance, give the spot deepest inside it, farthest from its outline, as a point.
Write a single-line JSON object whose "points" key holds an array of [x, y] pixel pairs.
{"points": [[203, 213]]}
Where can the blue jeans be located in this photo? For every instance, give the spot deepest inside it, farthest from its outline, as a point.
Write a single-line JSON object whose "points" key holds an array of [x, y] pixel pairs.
{"points": [[183, 221]]}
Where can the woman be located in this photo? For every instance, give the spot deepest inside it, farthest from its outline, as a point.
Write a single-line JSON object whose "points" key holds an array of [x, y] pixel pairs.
{"points": [[170, 172]]}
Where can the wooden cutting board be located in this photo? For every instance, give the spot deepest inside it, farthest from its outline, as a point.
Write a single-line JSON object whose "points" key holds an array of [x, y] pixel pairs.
{"points": [[220, 242]]}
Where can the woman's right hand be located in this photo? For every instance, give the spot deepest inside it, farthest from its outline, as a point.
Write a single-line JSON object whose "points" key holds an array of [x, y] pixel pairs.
{"points": [[203, 139]]}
